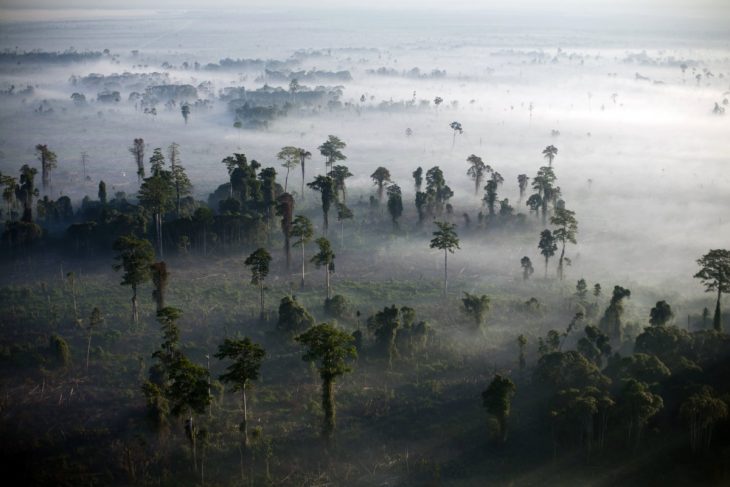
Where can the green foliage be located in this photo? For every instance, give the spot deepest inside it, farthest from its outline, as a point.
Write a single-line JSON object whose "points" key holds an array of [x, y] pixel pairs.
{"points": [[497, 400], [702, 411], [325, 257], [337, 306], [610, 323], [134, 256], [595, 346], [246, 357], [661, 314], [476, 307], [293, 317], [330, 348], [258, 263], [60, 352], [445, 238]]}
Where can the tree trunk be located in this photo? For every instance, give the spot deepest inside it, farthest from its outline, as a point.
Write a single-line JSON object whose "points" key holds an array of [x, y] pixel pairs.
{"points": [[546, 266], [287, 249], [328, 405], [302, 265], [88, 350], [286, 179], [560, 263], [302, 161], [327, 279], [717, 319], [261, 289], [446, 272], [326, 221], [135, 315]]}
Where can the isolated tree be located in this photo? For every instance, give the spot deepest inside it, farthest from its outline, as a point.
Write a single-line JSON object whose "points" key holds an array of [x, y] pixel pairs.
{"points": [[715, 276], [303, 156], [490, 196], [339, 174], [137, 151], [446, 239], [293, 317], [180, 180], [567, 228], [330, 348], [95, 320], [476, 307], [477, 170], [102, 192], [547, 247], [549, 153], [456, 127], [527, 269], [246, 357], [610, 323], [285, 209], [522, 181], [581, 290], [380, 177], [303, 230], [661, 314], [331, 149], [48, 160], [597, 291], [290, 157], [258, 263], [497, 400], [325, 185], [159, 274], [418, 178], [185, 110], [384, 325], [325, 258], [395, 204], [438, 101], [343, 213], [134, 256], [702, 411]]}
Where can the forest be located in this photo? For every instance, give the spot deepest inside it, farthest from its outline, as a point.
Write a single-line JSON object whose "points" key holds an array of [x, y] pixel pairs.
{"points": [[361, 266]]}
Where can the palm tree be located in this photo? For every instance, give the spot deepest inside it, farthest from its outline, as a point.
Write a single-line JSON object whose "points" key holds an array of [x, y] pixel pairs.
{"points": [[446, 239], [522, 181], [549, 153]]}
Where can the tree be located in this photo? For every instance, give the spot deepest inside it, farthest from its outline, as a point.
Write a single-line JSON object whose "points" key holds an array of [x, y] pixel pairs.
{"points": [[638, 404], [246, 357], [26, 191], [303, 231], [438, 192], [343, 213], [527, 269], [522, 181], [521, 344], [290, 157], [159, 275], [567, 228], [331, 149], [497, 400], [134, 256], [137, 151], [48, 161], [95, 320], [581, 290], [303, 156], [293, 317], [547, 247], [325, 185], [549, 153], [702, 411], [395, 204], [339, 174], [446, 239], [438, 101], [384, 325], [258, 262], [715, 276], [325, 258], [418, 178], [597, 291], [285, 209], [156, 194], [543, 184], [661, 314], [180, 179], [456, 127], [594, 346], [477, 170], [185, 110], [490, 197], [102, 192], [330, 347], [476, 307], [611, 324], [380, 177]]}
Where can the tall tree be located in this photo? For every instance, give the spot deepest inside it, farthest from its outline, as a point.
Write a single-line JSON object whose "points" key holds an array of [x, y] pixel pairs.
{"points": [[549, 153], [290, 158], [330, 347], [490, 196], [26, 191], [437, 191], [185, 111], [285, 209], [639, 404], [380, 177], [325, 258], [343, 213], [160, 276], [102, 192], [547, 247], [180, 179], [339, 174], [702, 410], [661, 314], [137, 151], [544, 184], [303, 231], [418, 178], [715, 276], [456, 127], [567, 228], [331, 149], [527, 269], [476, 307], [581, 290], [258, 262], [497, 400], [156, 195], [611, 324], [48, 160], [134, 256], [325, 185], [303, 156], [446, 239], [522, 181], [395, 204], [477, 170], [246, 357]]}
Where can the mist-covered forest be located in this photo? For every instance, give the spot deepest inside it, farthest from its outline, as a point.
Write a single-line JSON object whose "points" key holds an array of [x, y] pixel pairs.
{"points": [[371, 247]]}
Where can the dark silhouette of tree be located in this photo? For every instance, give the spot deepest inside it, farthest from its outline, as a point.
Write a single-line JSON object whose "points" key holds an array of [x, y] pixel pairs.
{"points": [[285, 209], [134, 256], [95, 320], [490, 197], [611, 324], [303, 156], [202, 219], [26, 191], [638, 405], [521, 360], [543, 184], [339, 174], [180, 179], [549, 153], [497, 400], [715, 276], [290, 157], [343, 213], [293, 317], [258, 263], [438, 192], [102, 192], [581, 290], [267, 177], [160, 276], [702, 411], [185, 110], [456, 127], [246, 357], [137, 151], [527, 269], [395, 204], [384, 325], [303, 231], [380, 177], [48, 160], [331, 149], [547, 247], [330, 348], [446, 239], [418, 178], [325, 185], [522, 181], [476, 307], [477, 170], [325, 258], [567, 228], [594, 346], [661, 314], [438, 101]]}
